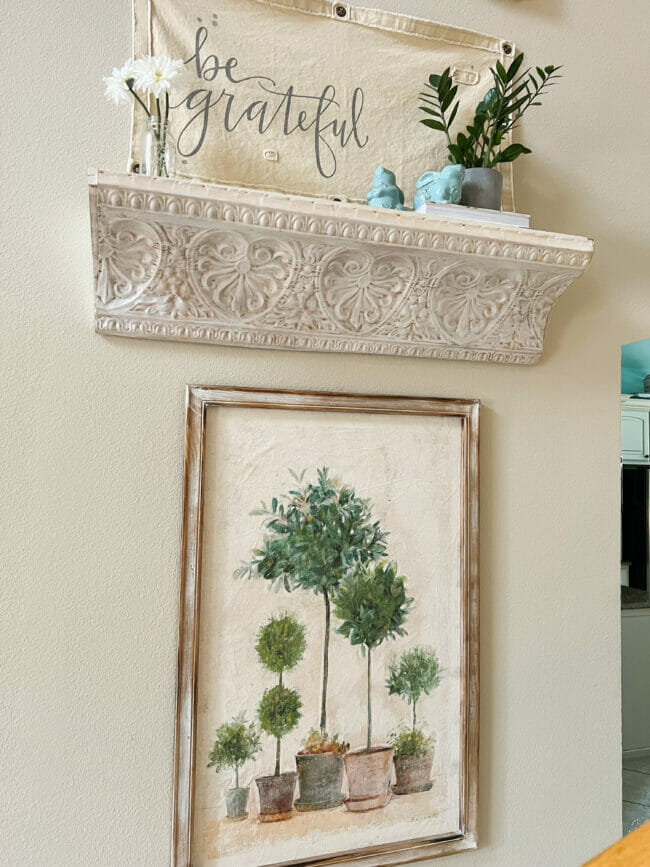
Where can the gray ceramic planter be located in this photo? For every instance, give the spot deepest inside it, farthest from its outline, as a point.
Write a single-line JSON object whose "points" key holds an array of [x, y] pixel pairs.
{"points": [[482, 189], [236, 802], [412, 774], [276, 796], [320, 777]]}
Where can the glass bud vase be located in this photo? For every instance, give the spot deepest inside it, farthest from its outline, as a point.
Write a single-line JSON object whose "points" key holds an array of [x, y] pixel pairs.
{"points": [[156, 150]]}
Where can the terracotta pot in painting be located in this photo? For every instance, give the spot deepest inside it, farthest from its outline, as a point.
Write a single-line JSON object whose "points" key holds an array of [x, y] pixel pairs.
{"points": [[236, 801], [412, 774], [276, 796], [369, 773], [320, 777]]}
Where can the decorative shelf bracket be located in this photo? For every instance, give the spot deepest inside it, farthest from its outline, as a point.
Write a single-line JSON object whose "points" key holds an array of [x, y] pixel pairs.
{"points": [[180, 260]]}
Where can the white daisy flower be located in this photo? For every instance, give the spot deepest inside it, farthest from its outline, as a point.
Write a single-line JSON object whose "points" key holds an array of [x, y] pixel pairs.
{"points": [[155, 74], [116, 86]]}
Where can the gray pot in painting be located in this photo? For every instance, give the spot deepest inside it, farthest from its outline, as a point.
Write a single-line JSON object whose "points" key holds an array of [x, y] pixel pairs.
{"points": [[236, 803], [482, 189], [320, 777], [412, 774], [276, 796]]}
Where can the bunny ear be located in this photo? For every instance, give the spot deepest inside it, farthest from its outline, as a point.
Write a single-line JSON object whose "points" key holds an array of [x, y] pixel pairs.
{"points": [[426, 178]]}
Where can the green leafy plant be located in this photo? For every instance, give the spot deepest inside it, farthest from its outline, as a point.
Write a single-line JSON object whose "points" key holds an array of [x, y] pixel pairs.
{"points": [[314, 535], [280, 647], [410, 742], [236, 742], [372, 604], [499, 112], [416, 672], [318, 742], [281, 644], [279, 712]]}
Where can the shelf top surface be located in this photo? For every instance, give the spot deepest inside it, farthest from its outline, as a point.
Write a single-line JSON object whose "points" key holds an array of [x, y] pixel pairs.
{"points": [[380, 217]]}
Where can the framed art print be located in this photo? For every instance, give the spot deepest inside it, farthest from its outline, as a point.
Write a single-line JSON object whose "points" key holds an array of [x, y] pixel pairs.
{"points": [[327, 705]]}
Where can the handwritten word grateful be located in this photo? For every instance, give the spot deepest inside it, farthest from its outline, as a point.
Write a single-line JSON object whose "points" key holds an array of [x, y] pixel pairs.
{"points": [[227, 100]]}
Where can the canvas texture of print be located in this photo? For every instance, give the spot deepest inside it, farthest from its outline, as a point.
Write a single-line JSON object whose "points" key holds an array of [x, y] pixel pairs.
{"points": [[329, 672], [290, 96]]}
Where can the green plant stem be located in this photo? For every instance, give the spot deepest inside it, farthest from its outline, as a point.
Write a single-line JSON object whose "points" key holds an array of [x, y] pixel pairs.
{"points": [[444, 121], [369, 705], [483, 145], [516, 117], [277, 745], [326, 644], [162, 136], [487, 156], [236, 776], [414, 717], [138, 100]]}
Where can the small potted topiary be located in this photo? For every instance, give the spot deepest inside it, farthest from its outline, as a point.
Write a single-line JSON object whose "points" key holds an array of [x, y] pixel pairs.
{"points": [[280, 647], [372, 605], [316, 788], [236, 743], [413, 760], [415, 673]]}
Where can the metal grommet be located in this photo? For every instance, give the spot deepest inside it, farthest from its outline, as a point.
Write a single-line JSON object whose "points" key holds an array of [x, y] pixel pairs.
{"points": [[341, 11], [507, 48]]}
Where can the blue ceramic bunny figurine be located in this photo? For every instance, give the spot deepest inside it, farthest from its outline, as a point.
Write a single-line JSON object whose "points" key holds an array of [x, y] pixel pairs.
{"points": [[385, 193], [445, 186]]}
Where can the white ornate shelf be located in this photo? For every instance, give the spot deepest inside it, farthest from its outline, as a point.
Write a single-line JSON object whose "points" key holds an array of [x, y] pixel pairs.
{"points": [[179, 260]]}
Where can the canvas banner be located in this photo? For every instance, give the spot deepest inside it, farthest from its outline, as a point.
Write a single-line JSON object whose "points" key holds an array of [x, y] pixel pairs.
{"points": [[308, 97]]}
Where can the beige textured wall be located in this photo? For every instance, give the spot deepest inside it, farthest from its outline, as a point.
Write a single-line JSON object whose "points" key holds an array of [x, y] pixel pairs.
{"points": [[92, 433]]}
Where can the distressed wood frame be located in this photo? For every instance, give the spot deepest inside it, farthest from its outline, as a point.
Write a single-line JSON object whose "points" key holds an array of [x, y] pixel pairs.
{"points": [[199, 400]]}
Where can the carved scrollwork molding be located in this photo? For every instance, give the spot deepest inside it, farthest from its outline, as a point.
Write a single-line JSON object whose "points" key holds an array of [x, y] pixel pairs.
{"points": [[178, 260]]}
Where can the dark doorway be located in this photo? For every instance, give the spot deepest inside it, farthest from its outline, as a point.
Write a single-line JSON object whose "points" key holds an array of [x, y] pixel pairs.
{"points": [[634, 524]]}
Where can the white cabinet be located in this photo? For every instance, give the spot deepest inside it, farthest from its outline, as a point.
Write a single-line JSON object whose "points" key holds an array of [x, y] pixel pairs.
{"points": [[635, 650], [635, 438]]}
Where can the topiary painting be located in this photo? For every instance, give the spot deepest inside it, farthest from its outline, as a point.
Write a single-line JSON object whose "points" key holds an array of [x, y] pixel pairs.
{"points": [[330, 615], [373, 606], [236, 742], [415, 673], [316, 534], [280, 647]]}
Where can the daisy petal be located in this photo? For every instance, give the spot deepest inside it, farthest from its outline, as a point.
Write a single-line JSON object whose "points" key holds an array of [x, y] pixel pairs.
{"points": [[155, 75], [117, 89]]}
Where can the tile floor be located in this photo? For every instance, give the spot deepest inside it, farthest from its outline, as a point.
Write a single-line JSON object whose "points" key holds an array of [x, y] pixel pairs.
{"points": [[636, 792]]}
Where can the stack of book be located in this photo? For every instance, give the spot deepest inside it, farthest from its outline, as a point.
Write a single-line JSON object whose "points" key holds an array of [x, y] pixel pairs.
{"points": [[475, 215]]}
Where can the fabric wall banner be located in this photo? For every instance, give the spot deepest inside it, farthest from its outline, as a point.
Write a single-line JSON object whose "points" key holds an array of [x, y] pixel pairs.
{"points": [[308, 97]]}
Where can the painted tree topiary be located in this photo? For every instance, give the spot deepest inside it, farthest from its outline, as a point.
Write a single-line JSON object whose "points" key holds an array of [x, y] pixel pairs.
{"points": [[373, 606], [415, 673], [236, 743], [316, 534], [280, 647]]}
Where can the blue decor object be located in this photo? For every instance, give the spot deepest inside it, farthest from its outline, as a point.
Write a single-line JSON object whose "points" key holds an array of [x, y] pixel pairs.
{"points": [[445, 186], [635, 366], [385, 193]]}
